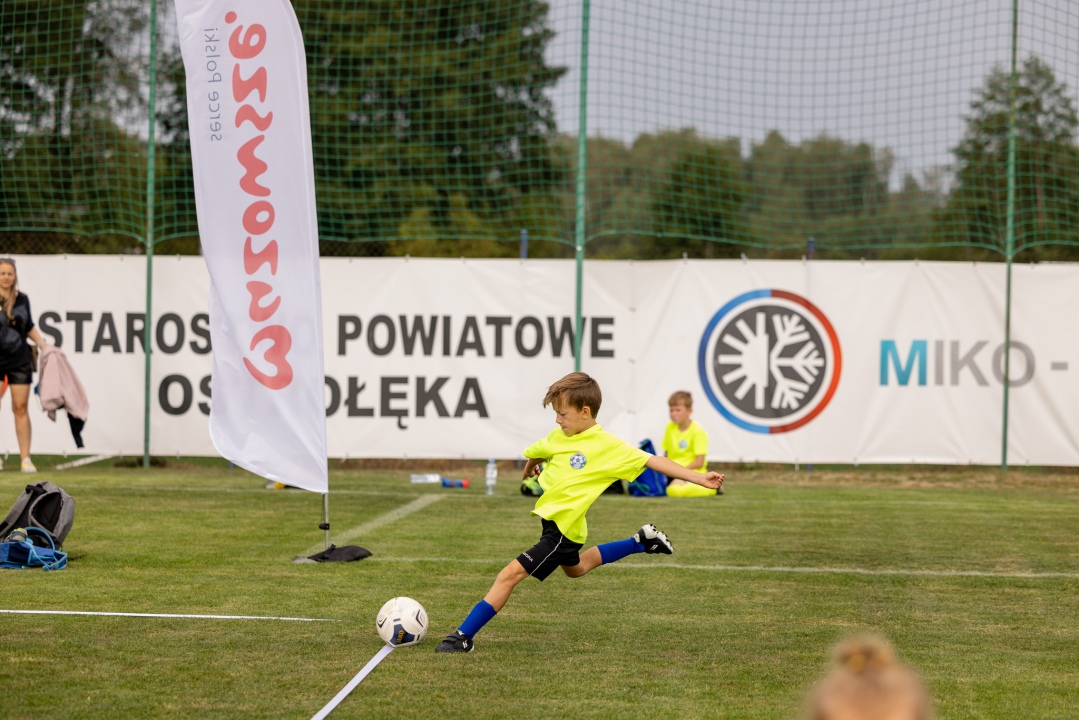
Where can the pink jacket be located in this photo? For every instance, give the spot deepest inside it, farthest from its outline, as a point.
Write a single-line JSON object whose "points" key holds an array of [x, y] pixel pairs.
{"points": [[59, 387]]}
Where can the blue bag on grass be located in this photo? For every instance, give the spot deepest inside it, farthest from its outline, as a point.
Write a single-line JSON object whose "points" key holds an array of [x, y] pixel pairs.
{"points": [[20, 555], [650, 483]]}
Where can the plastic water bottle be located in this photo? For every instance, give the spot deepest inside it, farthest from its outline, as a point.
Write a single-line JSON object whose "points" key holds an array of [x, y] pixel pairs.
{"points": [[491, 476], [455, 483], [423, 478]]}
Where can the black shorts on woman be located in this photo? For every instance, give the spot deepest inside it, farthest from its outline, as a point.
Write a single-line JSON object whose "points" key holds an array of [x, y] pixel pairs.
{"points": [[20, 375], [551, 552], [15, 360]]}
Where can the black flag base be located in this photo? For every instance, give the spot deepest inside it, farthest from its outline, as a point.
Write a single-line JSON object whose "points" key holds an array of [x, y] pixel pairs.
{"points": [[332, 553], [348, 553]]}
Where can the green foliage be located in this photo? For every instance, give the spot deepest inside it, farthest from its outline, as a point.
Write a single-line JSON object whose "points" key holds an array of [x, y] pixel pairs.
{"points": [[174, 210], [702, 198], [1046, 206], [677, 192], [825, 188], [434, 134], [430, 121], [68, 82]]}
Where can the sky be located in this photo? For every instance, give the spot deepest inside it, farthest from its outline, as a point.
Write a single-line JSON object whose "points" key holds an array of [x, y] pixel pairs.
{"points": [[899, 74]]}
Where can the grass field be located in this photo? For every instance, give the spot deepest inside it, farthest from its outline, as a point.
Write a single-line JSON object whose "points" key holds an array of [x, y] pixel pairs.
{"points": [[972, 574]]}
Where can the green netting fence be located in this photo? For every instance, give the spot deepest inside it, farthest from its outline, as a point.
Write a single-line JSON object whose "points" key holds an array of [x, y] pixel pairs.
{"points": [[627, 128]]}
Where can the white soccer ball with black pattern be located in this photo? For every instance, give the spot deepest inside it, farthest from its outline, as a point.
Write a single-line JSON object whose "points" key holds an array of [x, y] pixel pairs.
{"points": [[402, 621]]}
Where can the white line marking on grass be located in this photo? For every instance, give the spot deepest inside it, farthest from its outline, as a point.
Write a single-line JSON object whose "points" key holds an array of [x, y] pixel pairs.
{"points": [[384, 519], [764, 569], [82, 461], [165, 615], [374, 661], [854, 571], [297, 493]]}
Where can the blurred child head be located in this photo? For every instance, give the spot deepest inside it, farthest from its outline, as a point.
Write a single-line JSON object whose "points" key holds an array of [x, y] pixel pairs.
{"points": [[869, 683], [680, 407]]}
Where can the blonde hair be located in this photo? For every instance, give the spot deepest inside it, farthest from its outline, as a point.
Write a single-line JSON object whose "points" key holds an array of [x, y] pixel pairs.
{"points": [[680, 397], [9, 302], [576, 389], [869, 683]]}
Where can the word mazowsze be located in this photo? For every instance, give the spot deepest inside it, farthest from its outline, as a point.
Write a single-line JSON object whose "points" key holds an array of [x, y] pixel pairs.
{"points": [[259, 215]]}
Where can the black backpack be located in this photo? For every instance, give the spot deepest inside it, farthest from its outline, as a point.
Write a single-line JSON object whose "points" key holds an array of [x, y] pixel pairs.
{"points": [[42, 505]]}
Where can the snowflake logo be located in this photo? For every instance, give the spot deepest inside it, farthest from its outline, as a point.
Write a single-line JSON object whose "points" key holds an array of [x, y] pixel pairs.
{"points": [[769, 361], [577, 461]]}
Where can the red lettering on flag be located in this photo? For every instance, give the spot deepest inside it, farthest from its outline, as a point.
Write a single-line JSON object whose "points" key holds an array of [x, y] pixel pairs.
{"points": [[275, 355]]}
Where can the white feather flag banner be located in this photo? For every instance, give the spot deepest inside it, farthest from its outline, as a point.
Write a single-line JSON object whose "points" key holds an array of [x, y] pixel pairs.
{"points": [[255, 195]]}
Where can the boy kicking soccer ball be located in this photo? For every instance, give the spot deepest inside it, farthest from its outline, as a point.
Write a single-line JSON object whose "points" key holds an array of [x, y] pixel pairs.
{"points": [[580, 459]]}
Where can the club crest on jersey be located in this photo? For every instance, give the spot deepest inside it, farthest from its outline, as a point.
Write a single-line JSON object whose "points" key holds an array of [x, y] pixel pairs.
{"points": [[683, 444], [577, 461]]}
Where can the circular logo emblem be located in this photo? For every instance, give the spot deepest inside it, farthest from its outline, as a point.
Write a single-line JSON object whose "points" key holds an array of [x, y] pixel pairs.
{"points": [[769, 361], [683, 444], [577, 461]]}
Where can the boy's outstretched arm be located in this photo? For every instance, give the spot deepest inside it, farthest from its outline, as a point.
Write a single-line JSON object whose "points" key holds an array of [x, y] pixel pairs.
{"points": [[672, 469], [530, 468]]}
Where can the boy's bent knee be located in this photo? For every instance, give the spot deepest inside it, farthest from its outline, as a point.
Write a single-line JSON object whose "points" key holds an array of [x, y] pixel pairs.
{"points": [[573, 571], [513, 573]]}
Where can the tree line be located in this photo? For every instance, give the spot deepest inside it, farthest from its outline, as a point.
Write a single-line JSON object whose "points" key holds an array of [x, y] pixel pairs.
{"points": [[434, 134]]}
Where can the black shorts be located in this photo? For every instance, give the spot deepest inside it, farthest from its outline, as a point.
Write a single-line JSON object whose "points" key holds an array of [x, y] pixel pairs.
{"points": [[23, 375], [553, 550]]}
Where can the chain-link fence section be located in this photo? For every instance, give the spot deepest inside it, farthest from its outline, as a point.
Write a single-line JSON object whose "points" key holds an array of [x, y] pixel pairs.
{"points": [[836, 129]]}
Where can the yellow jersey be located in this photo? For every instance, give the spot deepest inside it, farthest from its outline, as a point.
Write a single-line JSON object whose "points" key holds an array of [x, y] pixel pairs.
{"points": [[684, 447], [577, 469]]}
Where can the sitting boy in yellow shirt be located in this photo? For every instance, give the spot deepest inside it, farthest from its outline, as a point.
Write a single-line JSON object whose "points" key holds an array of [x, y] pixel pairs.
{"points": [[686, 442]]}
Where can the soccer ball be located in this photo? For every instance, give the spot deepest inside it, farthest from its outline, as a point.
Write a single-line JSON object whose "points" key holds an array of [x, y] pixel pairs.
{"points": [[402, 621]]}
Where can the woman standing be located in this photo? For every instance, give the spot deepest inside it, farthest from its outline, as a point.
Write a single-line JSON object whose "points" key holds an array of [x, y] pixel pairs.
{"points": [[16, 364]]}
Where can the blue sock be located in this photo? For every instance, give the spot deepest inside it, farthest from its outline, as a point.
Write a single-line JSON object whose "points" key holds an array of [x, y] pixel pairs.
{"points": [[614, 551], [480, 616]]}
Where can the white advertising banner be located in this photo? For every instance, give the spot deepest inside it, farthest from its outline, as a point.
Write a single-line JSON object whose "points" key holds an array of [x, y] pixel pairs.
{"points": [[255, 195], [843, 362]]}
